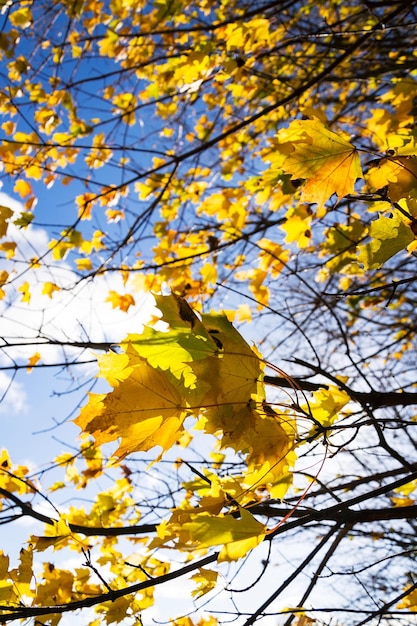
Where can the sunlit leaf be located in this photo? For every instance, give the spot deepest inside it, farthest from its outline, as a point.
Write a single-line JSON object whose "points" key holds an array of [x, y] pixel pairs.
{"points": [[389, 235], [120, 301], [329, 164], [239, 534]]}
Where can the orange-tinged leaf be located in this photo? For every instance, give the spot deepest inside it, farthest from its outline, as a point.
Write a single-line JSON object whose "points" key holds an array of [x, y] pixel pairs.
{"points": [[4, 565], [398, 501], [23, 188], [398, 173], [9, 248], [121, 301], [7, 593], [32, 361], [329, 164]]}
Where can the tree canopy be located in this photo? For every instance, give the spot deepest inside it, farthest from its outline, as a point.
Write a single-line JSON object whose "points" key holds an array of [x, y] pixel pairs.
{"points": [[239, 181]]}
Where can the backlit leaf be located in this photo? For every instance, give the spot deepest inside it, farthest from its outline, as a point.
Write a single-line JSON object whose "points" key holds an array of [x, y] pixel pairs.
{"points": [[329, 164], [389, 235], [239, 534], [398, 174]]}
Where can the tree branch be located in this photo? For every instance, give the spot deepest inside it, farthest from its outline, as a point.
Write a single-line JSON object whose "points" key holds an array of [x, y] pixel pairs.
{"points": [[110, 596]]}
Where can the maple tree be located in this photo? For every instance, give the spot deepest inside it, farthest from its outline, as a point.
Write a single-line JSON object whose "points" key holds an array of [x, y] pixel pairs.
{"points": [[250, 170]]}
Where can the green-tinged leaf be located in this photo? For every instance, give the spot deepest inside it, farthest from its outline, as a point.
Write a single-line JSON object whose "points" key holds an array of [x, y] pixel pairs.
{"points": [[245, 532], [185, 341], [389, 235]]}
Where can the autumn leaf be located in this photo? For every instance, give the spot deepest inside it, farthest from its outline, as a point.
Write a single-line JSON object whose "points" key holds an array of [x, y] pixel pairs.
{"points": [[237, 535], [22, 575], [120, 301], [21, 18], [23, 188], [24, 219], [144, 411], [25, 291], [330, 165], [206, 580], [55, 533], [389, 235], [5, 215], [326, 405], [398, 174], [49, 289], [84, 264], [187, 341], [32, 361]]}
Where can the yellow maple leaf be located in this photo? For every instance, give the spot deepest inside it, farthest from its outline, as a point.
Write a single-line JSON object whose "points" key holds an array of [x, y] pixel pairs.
{"points": [[32, 361], [114, 367], [49, 289], [144, 411], [84, 264], [297, 225], [3, 277], [25, 290], [23, 574], [23, 188], [121, 301], [206, 580], [398, 173], [4, 565], [329, 164], [237, 536], [7, 593], [326, 405], [22, 18]]}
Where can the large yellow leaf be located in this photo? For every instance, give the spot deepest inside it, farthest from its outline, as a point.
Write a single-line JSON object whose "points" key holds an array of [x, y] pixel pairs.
{"points": [[389, 235], [187, 340], [398, 174], [235, 376], [240, 535], [329, 164], [144, 411]]}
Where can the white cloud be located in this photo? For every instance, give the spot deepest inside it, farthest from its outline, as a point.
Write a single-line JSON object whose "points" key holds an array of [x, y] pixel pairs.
{"points": [[13, 398], [79, 312]]}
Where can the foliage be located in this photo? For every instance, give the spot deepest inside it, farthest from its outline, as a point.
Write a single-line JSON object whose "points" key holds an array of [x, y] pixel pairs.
{"points": [[251, 167]]}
